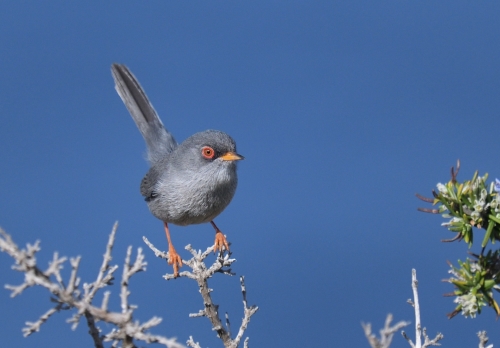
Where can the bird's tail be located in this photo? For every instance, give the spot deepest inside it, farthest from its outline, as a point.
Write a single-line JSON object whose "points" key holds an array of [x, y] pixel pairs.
{"points": [[158, 139]]}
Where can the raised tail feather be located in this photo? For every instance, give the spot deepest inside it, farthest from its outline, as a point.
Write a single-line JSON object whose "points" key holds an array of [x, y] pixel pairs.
{"points": [[158, 139]]}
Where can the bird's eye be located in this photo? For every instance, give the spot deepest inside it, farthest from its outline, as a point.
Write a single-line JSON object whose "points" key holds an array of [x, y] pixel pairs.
{"points": [[208, 152]]}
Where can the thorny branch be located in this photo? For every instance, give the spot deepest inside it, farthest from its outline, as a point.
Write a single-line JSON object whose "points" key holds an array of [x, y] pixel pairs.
{"points": [[386, 334], [483, 339], [201, 273], [71, 297], [418, 326]]}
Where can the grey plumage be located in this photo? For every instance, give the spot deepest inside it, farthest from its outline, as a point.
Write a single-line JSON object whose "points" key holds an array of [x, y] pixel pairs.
{"points": [[158, 139], [184, 185]]}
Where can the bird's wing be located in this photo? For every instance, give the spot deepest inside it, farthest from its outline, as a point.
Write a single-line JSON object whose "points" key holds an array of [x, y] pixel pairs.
{"points": [[148, 184], [158, 139]]}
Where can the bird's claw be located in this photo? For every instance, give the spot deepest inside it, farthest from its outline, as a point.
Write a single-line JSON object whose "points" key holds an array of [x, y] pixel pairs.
{"points": [[220, 242], [175, 260]]}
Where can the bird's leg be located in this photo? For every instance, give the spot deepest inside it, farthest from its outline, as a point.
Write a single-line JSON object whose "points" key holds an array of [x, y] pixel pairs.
{"points": [[173, 258], [220, 239]]}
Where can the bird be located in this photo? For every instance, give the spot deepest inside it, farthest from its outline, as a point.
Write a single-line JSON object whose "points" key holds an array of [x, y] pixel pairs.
{"points": [[187, 183]]}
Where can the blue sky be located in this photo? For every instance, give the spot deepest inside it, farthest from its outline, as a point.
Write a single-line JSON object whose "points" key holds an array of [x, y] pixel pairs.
{"points": [[343, 111]]}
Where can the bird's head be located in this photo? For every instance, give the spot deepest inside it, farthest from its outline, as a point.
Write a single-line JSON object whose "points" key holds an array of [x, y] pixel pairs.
{"points": [[209, 149]]}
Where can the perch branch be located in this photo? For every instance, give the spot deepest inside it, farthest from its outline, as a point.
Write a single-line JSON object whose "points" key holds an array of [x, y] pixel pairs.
{"points": [[200, 272]]}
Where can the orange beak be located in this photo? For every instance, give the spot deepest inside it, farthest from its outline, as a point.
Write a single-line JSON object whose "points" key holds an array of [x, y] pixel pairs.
{"points": [[231, 156]]}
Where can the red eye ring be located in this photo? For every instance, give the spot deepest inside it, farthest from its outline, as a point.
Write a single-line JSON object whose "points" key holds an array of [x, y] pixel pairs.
{"points": [[207, 152]]}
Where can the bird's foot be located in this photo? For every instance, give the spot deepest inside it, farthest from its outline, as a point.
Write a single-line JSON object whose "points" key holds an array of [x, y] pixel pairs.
{"points": [[220, 242], [174, 259]]}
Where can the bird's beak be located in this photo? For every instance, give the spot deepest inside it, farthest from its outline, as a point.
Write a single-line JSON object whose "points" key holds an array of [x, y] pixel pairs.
{"points": [[231, 156]]}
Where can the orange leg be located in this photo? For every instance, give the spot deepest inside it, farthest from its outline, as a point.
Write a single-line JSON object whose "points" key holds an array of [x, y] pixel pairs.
{"points": [[173, 257], [220, 239]]}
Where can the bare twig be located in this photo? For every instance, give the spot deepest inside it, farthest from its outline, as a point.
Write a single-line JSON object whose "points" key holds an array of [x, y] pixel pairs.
{"points": [[416, 306], [249, 311], [191, 343], [201, 273], [418, 327], [35, 327], [483, 339], [70, 296], [386, 334]]}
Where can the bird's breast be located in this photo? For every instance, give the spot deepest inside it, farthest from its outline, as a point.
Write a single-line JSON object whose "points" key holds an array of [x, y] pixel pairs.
{"points": [[193, 198]]}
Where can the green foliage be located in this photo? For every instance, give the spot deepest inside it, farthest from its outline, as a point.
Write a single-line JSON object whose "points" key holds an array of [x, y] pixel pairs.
{"points": [[471, 206], [474, 282], [468, 205]]}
